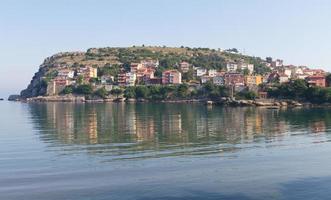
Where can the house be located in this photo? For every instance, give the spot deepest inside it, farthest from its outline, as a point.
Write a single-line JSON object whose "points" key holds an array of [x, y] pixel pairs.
{"points": [[148, 75], [245, 66], [153, 81], [301, 76], [107, 79], [131, 79], [205, 79], [218, 80], [121, 78], [277, 63], [92, 72], [234, 79], [283, 78], [201, 71], [171, 77], [66, 73], [273, 77], [212, 72], [184, 66], [296, 71], [231, 67], [126, 79], [263, 95], [87, 73], [150, 63], [134, 67], [252, 80], [287, 72], [316, 80], [55, 86]]}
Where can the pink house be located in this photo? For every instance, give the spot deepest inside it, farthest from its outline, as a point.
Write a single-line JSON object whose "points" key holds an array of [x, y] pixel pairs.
{"points": [[171, 77]]}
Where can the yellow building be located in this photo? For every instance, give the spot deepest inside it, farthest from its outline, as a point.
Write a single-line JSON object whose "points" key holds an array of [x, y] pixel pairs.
{"points": [[253, 80], [93, 72]]}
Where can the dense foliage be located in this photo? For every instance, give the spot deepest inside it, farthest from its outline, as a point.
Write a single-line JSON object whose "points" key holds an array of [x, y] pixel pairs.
{"points": [[299, 90], [183, 91]]}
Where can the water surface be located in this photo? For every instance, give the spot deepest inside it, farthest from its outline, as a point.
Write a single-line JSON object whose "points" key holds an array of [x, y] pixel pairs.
{"points": [[163, 151]]}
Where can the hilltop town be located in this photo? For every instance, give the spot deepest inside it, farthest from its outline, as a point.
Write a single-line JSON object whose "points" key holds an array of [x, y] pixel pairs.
{"points": [[164, 73]]}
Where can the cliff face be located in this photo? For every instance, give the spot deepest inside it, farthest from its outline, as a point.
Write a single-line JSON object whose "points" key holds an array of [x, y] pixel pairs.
{"points": [[37, 86], [123, 57]]}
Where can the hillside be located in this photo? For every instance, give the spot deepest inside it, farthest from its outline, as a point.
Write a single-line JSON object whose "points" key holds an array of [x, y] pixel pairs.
{"points": [[116, 59]]}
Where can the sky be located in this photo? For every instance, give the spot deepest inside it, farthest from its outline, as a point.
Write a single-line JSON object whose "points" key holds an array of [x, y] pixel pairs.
{"points": [[31, 30]]}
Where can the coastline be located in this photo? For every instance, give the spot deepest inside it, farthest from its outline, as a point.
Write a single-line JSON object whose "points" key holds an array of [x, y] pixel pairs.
{"points": [[269, 103]]}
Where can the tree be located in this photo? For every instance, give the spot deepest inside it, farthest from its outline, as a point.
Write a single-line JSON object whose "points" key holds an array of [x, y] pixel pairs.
{"points": [[102, 92], [188, 75], [116, 92], [141, 92], [328, 80], [130, 92], [84, 89], [183, 90], [67, 90], [80, 79]]}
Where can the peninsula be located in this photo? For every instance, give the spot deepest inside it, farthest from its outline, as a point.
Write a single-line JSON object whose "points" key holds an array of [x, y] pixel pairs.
{"points": [[150, 73]]}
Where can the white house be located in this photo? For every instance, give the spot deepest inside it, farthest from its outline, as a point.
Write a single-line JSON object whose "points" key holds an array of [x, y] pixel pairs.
{"points": [[231, 67], [249, 67], [66, 73], [283, 78], [288, 72], [131, 79], [205, 79], [201, 71]]}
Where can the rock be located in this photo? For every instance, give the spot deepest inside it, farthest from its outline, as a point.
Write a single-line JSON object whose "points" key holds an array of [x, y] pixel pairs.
{"points": [[119, 100], [209, 103], [264, 104], [131, 100], [141, 100], [284, 103], [67, 98], [246, 103], [14, 97], [297, 104], [277, 104], [108, 100]]}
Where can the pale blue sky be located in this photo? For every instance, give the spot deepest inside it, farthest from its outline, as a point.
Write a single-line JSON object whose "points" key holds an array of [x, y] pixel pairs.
{"points": [[30, 30]]}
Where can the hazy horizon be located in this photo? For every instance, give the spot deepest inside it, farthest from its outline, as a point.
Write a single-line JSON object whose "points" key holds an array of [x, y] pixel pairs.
{"points": [[30, 31]]}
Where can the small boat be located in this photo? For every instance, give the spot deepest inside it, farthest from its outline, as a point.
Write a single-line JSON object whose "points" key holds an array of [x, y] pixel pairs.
{"points": [[1, 99]]}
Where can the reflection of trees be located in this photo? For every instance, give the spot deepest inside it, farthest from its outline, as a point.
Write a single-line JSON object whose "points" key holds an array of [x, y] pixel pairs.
{"points": [[154, 125]]}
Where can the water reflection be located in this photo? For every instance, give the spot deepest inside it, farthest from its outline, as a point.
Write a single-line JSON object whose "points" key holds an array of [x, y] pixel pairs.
{"points": [[170, 129]]}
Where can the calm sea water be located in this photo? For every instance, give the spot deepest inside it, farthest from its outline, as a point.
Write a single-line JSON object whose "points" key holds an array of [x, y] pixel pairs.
{"points": [[162, 151]]}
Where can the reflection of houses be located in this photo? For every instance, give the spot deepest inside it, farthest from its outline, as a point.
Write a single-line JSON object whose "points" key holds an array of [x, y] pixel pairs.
{"points": [[92, 127], [318, 127]]}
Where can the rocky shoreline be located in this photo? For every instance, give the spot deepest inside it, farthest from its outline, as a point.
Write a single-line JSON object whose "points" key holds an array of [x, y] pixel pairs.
{"points": [[270, 103]]}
